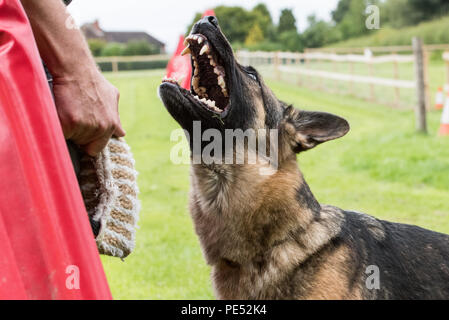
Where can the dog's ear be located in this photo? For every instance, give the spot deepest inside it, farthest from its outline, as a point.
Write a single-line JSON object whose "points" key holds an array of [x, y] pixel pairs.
{"points": [[306, 129]]}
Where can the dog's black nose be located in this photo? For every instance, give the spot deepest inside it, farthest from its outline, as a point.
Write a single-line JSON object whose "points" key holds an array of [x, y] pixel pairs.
{"points": [[208, 20]]}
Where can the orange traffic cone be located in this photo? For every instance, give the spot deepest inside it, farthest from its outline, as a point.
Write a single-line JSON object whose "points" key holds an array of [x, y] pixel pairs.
{"points": [[439, 99], [444, 127]]}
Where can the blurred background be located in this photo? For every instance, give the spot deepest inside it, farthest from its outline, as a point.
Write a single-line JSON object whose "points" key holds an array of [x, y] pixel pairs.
{"points": [[380, 64]]}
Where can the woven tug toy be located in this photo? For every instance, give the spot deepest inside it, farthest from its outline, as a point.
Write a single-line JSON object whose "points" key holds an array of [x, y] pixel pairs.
{"points": [[109, 188]]}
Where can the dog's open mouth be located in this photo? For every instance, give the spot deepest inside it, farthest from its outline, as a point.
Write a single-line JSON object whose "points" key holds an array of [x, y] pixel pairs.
{"points": [[208, 83]]}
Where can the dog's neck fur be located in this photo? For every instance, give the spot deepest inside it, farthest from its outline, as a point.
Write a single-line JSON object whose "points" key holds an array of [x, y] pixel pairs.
{"points": [[253, 226]]}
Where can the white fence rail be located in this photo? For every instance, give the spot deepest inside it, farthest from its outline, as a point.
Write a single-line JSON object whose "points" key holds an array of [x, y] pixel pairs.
{"points": [[406, 84], [306, 66], [326, 57]]}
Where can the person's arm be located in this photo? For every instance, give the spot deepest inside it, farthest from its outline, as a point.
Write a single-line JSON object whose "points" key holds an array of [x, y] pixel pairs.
{"points": [[86, 102]]}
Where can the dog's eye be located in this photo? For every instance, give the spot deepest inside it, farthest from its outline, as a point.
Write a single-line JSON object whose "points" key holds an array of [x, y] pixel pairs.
{"points": [[253, 76]]}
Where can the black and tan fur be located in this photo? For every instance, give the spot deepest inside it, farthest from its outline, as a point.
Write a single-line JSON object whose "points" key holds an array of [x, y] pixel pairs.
{"points": [[266, 236]]}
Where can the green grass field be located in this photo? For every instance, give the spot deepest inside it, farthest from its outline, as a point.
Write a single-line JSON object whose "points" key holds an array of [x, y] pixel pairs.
{"points": [[382, 167]]}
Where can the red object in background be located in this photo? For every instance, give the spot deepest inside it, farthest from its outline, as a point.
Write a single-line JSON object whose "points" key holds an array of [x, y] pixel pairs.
{"points": [[209, 12], [45, 236], [444, 126], [179, 67]]}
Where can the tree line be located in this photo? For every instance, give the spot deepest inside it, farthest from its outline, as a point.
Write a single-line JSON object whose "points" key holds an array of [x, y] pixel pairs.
{"points": [[255, 29], [101, 48]]}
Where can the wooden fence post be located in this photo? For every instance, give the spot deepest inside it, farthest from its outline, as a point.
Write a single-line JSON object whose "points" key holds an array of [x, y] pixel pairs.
{"points": [[276, 65], [446, 62], [372, 93], [298, 64], [351, 83], [114, 63], [447, 70], [397, 94], [420, 109], [306, 66], [426, 77]]}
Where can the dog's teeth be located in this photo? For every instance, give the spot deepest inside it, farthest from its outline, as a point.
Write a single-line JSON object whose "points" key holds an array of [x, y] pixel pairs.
{"points": [[195, 83], [204, 49], [212, 63], [216, 71], [200, 40], [225, 92], [195, 38], [222, 84], [211, 105], [186, 51]]}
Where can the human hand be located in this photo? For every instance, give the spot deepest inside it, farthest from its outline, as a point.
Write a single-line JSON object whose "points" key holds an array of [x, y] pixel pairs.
{"points": [[86, 102], [87, 107]]}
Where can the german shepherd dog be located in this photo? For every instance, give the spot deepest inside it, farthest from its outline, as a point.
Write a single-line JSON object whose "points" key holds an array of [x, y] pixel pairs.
{"points": [[265, 235]]}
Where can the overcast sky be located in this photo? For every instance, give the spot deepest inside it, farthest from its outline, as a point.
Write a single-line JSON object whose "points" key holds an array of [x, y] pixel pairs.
{"points": [[167, 19]]}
